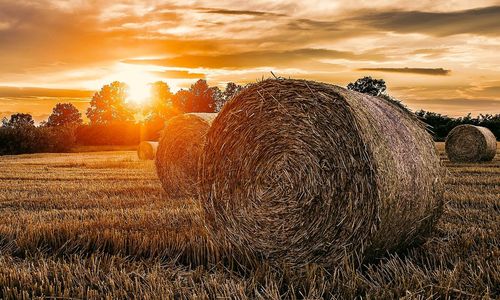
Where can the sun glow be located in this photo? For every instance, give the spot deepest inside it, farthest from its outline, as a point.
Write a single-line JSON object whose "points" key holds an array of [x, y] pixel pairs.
{"points": [[138, 78], [138, 92]]}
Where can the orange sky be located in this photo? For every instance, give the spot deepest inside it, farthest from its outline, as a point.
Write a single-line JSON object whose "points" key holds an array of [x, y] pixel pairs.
{"points": [[436, 55]]}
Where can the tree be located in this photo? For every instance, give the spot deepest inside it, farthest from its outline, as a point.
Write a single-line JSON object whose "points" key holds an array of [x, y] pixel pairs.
{"points": [[19, 120], [231, 90], [160, 93], [201, 98], [368, 85], [161, 105], [180, 99], [441, 125], [375, 87], [218, 97], [64, 114], [108, 105]]}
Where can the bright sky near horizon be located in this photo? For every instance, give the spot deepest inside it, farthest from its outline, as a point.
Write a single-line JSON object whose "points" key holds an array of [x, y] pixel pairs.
{"points": [[435, 55]]}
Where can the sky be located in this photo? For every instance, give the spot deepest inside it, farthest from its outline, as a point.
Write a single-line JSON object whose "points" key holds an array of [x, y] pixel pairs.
{"points": [[440, 56]]}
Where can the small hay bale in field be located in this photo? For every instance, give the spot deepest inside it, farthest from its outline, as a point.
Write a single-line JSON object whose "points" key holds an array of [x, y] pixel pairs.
{"points": [[179, 152], [147, 150], [303, 172], [469, 143]]}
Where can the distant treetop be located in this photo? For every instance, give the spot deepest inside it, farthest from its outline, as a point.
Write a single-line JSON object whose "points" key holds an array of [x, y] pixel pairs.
{"points": [[64, 114], [108, 105], [19, 120], [368, 85]]}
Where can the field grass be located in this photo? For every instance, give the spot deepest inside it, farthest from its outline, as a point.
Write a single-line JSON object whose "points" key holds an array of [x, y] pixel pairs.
{"points": [[98, 225]]}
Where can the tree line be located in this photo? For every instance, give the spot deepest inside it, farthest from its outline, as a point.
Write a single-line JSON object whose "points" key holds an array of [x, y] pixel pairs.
{"points": [[438, 125], [115, 121]]}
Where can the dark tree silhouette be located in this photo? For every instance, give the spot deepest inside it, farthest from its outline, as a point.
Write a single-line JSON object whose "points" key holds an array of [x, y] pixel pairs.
{"points": [[19, 120], [64, 114], [201, 98], [180, 99], [375, 87], [218, 97], [108, 105], [368, 85], [438, 125], [231, 90], [441, 125]]}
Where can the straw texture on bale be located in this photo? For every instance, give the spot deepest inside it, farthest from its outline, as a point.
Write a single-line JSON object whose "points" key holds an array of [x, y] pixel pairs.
{"points": [[469, 143], [179, 152], [304, 172], [147, 150]]}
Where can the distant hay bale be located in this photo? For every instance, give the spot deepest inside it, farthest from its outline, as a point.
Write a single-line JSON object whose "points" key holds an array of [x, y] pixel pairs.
{"points": [[304, 172], [469, 143], [179, 151], [147, 150]]}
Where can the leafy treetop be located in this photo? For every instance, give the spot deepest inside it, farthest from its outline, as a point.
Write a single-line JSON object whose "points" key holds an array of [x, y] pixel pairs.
{"points": [[108, 105], [64, 114]]}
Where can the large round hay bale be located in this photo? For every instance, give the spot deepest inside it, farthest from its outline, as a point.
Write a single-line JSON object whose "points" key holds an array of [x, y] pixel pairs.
{"points": [[304, 172], [179, 152], [147, 150], [469, 143]]}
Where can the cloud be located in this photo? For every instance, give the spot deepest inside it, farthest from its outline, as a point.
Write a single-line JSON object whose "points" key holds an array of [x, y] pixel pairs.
{"points": [[38, 107], [254, 59], [179, 74], [492, 89], [240, 12], [42, 39], [423, 71], [7, 91], [312, 25], [479, 21], [4, 25]]}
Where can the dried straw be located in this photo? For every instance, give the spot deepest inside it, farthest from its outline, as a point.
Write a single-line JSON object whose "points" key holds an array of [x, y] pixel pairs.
{"points": [[469, 143], [304, 172], [147, 150], [179, 152]]}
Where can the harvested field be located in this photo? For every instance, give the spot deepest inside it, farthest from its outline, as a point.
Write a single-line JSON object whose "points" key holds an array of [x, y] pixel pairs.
{"points": [[99, 224]]}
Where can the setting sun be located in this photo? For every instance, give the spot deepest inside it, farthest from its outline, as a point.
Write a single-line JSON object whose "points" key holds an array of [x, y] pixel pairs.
{"points": [[138, 92], [138, 79]]}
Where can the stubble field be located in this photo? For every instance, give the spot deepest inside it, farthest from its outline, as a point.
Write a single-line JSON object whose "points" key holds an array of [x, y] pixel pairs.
{"points": [[98, 225]]}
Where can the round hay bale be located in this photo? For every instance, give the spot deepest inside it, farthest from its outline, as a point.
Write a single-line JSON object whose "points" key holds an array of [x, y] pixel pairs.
{"points": [[304, 172], [147, 150], [469, 143], [179, 152]]}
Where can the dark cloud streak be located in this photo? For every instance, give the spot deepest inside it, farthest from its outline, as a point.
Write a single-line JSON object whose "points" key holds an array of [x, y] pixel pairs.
{"points": [[7, 91], [253, 59], [480, 21], [240, 12], [423, 71]]}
